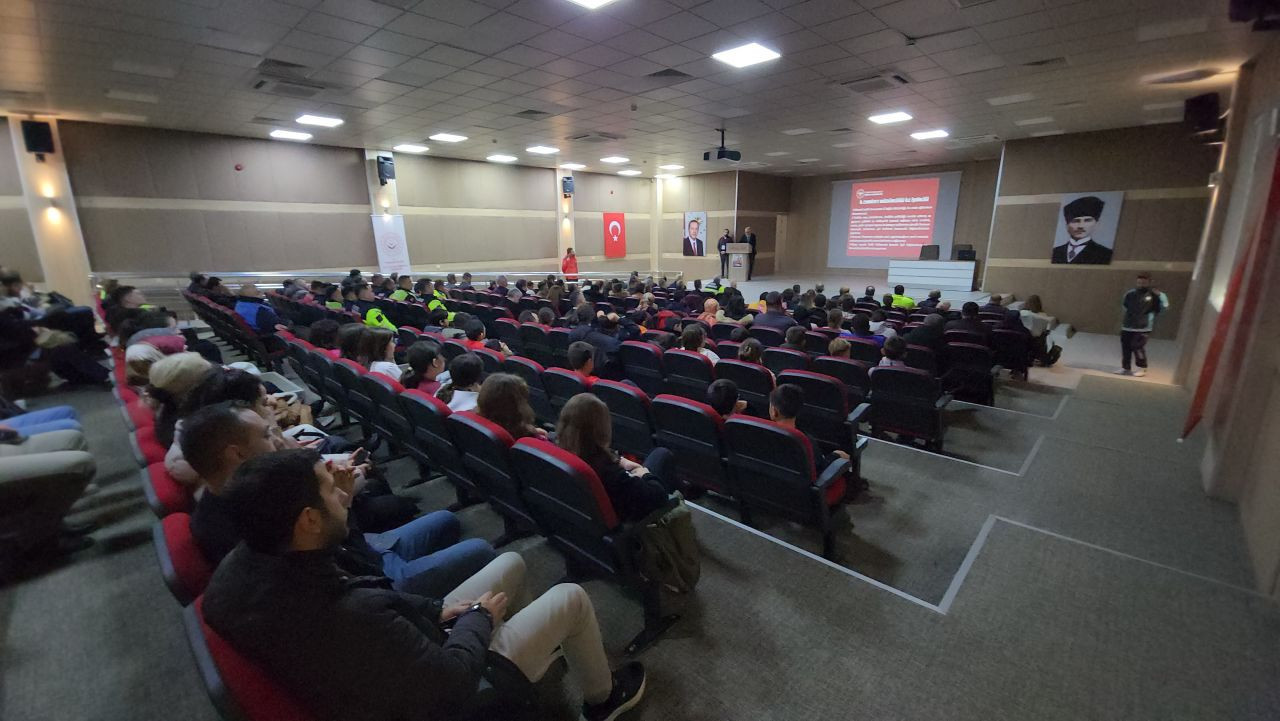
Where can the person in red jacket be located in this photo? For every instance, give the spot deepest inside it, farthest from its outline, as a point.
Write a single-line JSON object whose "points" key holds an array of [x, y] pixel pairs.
{"points": [[569, 266]]}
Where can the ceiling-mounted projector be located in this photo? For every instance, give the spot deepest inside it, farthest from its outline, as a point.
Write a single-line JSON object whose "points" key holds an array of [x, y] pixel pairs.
{"points": [[722, 153]]}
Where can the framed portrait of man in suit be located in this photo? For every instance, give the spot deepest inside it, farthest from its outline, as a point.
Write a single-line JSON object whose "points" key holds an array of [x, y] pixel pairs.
{"points": [[1086, 228], [695, 233]]}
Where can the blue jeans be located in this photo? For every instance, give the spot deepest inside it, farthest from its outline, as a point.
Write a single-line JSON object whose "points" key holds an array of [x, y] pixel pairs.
{"points": [[58, 418], [425, 557]]}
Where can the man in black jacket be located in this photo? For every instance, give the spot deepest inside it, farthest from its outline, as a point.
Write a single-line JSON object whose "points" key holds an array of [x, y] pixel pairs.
{"points": [[970, 322], [351, 646]]}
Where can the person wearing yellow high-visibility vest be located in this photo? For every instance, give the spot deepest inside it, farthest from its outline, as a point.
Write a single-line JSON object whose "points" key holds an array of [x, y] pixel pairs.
{"points": [[436, 301], [369, 312], [403, 291]]}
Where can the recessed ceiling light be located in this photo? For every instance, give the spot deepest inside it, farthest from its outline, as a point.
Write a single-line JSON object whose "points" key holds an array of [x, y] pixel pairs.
{"points": [[448, 138], [844, 145], [320, 120], [744, 55], [1034, 121], [808, 160], [542, 150], [591, 4], [410, 148], [290, 135], [573, 166], [887, 118], [629, 171], [930, 134], [664, 176], [501, 158], [1046, 133], [670, 167], [615, 159], [777, 154], [1011, 99], [797, 131]]}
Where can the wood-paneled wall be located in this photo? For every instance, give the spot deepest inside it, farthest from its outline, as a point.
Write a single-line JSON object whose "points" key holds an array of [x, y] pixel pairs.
{"points": [[18, 249], [1164, 176]]}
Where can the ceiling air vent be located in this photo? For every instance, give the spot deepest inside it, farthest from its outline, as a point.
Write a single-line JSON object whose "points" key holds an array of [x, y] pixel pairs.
{"points": [[264, 120], [669, 74], [533, 114], [287, 88], [969, 141], [398, 4], [875, 83], [594, 137], [969, 3], [840, 131], [283, 69]]}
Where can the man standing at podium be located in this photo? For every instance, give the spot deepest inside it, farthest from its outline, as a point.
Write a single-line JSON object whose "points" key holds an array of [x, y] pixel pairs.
{"points": [[723, 247], [749, 237], [693, 245]]}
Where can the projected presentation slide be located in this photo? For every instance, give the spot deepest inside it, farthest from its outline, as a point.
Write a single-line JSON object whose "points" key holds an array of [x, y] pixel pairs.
{"points": [[892, 218], [875, 220]]}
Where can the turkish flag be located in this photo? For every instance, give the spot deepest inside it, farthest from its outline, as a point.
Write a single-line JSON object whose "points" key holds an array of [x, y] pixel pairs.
{"points": [[615, 235]]}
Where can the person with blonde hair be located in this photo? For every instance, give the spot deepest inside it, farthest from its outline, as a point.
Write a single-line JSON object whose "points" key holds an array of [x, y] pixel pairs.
{"points": [[586, 430], [711, 313]]}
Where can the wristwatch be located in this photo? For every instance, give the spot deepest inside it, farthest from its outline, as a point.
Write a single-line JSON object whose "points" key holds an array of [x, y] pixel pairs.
{"points": [[479, 608]]}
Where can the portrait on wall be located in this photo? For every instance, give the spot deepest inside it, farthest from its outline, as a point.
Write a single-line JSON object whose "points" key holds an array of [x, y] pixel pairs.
{"points": [[695, 233], [1086, 231]]}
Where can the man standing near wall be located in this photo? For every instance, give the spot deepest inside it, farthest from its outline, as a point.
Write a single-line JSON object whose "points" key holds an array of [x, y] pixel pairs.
{"points": [[1141, 306], [723, 247], [749, 237], [569, 266]]}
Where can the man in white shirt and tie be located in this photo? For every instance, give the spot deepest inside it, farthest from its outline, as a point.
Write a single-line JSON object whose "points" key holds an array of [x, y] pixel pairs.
{"points": [[693, 245]]}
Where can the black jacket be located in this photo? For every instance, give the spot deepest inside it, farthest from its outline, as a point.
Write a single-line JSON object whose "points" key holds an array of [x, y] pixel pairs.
{"points": [[349, 645], [1090, 254]]}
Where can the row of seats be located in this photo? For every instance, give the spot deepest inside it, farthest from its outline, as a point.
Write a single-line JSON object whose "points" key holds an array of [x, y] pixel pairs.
{"points": [[233, 329]]}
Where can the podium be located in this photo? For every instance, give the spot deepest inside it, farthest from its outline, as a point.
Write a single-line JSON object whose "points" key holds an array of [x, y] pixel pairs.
{"points": [[739, 260]]}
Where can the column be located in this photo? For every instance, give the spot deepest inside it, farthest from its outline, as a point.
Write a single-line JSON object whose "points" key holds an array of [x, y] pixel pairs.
{"points": [[51, 209], [388, 224], [655, 225]]}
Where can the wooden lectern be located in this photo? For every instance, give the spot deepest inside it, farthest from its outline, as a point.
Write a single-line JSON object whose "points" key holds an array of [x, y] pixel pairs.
{"points": [[739, 260]]}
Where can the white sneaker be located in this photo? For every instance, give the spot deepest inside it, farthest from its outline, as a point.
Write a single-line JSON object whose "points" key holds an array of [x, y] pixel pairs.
{"points": [[1123, 372], [1140, 373]]}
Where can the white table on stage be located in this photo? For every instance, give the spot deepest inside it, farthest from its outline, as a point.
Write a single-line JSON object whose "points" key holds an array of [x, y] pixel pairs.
{"points": [[953, 275]]}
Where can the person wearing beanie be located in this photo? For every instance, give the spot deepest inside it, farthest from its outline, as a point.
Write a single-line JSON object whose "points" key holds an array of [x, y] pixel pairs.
{"points": [[171, 379]]}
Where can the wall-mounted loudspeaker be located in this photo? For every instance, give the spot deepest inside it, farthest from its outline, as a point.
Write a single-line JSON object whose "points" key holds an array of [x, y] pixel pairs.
{"points": [[38, 136], [1201, 112], [386, 169]]}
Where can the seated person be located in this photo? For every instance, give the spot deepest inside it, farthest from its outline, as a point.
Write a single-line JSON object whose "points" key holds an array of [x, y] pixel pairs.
{"points": [[740, 335], [585, 429], [751, 351], [324, 336], [423, 556], [935, 297], [839, 348], [970, 322], [994, 304], [774, 316], [527, 316], [364, 306], [879, 325], [378, 348], [351, 342], [711, 313], [172, 378], [404, 290], [546, 316], [794, 339], [785, 403], [426, 367], [462, 391], [582, 360], [291, 599], [901, 299], [694, 338], [862, 329], [257, 312], [722, 396], [504, 399], [929, 334], [887, 300], [835, 321], [869, 295], [847, 305], [477, 338], [895, 352]]}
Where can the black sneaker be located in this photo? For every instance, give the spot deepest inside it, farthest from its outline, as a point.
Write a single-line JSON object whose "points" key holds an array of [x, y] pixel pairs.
{"points": [[628, 688]]}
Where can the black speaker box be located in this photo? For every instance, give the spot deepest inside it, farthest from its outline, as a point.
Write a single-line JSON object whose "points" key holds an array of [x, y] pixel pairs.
{"points": [[386, 169], [1202, 112], [969, 254], [38, 135]]}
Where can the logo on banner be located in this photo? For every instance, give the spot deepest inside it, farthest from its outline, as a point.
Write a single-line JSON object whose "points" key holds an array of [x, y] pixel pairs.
{"points": [[615, 235]]}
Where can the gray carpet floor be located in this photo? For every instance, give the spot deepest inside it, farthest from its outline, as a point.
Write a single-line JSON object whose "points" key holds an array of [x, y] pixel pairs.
{"points": [[1093, 582]]}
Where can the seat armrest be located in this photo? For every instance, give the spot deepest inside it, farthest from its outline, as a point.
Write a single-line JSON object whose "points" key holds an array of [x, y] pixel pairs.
{"points": [[995, 369], [838, 468], [860, 444], [859, 414], [942, 402]]}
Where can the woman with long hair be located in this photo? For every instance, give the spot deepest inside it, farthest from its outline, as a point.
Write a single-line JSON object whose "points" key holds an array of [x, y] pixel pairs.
{"points": [[350, 341], [504, 399], [694, 338], [378, 349], [426, 367], [636, 490], [751, 351]]}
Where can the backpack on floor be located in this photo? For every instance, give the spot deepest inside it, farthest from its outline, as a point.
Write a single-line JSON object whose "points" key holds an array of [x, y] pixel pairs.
{"points": [[669, 552]]}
